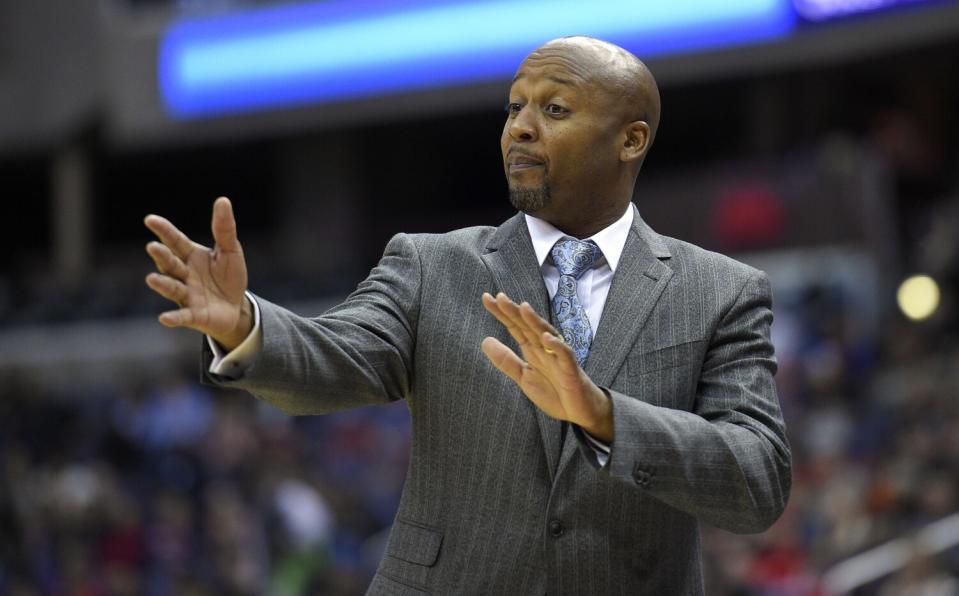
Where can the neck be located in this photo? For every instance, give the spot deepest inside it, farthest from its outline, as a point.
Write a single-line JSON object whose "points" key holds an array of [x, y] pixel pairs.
{"points": [[580, 228]]}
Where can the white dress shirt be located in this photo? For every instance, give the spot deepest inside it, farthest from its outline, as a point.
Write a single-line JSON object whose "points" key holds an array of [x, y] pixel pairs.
{"points": [[592, 289]]}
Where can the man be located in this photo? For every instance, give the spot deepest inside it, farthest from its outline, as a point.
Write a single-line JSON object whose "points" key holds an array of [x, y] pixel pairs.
{"points": [[568, 457]]}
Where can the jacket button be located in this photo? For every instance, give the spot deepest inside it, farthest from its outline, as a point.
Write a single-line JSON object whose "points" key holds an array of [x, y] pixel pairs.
{"points": [[641, 477], [556, 528]]}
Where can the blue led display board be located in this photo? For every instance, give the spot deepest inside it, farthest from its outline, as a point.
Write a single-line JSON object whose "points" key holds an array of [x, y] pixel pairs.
{"points": [[346, 49], [823, 10]]}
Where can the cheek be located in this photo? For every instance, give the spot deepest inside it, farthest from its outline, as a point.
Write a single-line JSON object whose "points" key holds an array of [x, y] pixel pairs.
{"points": [[578, 154], [600, 153], [564, 148]]}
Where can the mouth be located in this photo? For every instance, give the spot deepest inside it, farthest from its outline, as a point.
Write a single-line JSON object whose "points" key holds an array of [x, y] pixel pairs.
{"points": [[522, 161]]}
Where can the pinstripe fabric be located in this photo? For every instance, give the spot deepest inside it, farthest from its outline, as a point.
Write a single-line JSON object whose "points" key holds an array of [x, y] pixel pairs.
{"points": [[496, 500]]}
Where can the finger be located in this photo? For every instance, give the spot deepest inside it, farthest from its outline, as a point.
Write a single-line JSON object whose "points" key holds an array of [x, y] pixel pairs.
{"points": [[169, 235], [510, 311], [503, 358], [177, 318], [528, 341], [167, 262], [534, 321], [490, 303], [530, 345], [492, 306], [169, 288], [513, 312], [564, 359], [224, 226], [528, 338], [542, 328]]}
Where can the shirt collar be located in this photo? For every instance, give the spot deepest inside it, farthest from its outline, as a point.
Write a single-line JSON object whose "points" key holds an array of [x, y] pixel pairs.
{"points": [[611, 239]]}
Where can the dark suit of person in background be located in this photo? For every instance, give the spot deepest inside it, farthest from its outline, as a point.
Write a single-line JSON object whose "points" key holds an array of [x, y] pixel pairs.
{"points": [[574, 453]]}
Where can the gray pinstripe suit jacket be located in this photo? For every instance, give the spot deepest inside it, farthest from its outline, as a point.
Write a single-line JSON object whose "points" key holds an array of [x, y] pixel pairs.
{"points": [[498, 499]]}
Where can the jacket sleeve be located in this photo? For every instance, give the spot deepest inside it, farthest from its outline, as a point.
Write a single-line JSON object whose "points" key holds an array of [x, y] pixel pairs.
{"points": [[357, 353], [727, 462]]}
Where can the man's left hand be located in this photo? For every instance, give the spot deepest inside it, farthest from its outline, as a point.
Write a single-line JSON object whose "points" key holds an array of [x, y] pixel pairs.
{"points": [[547, 373]]}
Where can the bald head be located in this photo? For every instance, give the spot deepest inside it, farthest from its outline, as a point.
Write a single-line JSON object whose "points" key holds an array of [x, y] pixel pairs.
{"points": [[619, 73]]}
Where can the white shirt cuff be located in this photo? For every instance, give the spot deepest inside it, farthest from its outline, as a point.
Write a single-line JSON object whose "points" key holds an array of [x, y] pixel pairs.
{"points": [[600, 448], [233, 364]]}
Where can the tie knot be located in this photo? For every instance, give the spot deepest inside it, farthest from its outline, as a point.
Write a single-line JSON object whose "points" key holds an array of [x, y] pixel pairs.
{"points": [[574, 257]]}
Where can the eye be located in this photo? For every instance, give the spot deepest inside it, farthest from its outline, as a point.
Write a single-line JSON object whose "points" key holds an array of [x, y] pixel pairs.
{"points": [[556, 110], [513, 108]]}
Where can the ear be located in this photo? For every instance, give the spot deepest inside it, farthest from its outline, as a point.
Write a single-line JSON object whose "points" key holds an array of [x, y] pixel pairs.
{"points": [[637, 141]]}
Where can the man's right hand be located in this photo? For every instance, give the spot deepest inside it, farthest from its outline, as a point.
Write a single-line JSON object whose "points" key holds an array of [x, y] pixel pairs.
{"points": [[208, 285]]}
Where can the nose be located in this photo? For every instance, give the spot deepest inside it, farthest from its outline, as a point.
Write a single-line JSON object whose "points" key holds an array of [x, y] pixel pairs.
{"points": [[522, 127]]}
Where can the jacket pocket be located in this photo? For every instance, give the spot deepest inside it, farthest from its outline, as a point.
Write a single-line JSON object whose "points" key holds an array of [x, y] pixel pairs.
{"points": [[414, 543], [659, 359], [666, 376]]}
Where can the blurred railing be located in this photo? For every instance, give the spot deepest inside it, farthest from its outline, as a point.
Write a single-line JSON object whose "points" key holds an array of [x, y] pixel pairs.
{"points": [[883, 560]]}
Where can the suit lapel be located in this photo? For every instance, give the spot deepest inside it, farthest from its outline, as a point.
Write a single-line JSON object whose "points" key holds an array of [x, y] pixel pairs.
{"points": [[512, 262], [638, 283]]}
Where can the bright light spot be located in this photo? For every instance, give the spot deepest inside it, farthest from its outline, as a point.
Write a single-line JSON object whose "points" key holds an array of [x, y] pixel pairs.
{"points": [[918, 297]]}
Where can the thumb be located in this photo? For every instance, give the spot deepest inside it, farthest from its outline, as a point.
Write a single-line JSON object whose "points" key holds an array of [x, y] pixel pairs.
{"points": [[224, 226]]}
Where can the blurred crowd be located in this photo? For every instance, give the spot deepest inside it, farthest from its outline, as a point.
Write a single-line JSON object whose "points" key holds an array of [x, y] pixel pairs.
{"points": [[165, 487]]}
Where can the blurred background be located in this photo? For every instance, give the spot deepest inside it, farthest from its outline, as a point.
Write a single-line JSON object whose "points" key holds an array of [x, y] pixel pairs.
{"points": [[815, 139]]}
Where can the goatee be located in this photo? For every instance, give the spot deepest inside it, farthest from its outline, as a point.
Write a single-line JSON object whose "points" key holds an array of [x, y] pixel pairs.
{"points": [[529, 200]]}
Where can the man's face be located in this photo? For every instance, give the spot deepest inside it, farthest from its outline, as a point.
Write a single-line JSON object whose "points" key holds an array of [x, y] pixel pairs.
{"points": [[560, 138]]}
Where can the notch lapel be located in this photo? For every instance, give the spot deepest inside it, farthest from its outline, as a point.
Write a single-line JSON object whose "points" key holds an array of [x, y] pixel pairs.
{"points": [[512, 262], [637, 285]]}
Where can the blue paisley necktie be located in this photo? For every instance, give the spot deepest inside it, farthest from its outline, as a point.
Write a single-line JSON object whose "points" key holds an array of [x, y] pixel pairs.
{"points": [[572, 258]]}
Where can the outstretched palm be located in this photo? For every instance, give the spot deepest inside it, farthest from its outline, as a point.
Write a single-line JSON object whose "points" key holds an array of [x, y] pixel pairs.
{"points": [[547, 372], [207, 284]]}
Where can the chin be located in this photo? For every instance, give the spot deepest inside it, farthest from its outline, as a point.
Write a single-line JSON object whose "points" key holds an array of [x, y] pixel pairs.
{"points": [[529, 199]]}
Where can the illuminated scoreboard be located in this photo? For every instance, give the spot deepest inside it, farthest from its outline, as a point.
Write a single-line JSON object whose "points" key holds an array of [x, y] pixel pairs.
{"points": [[301, 54]]}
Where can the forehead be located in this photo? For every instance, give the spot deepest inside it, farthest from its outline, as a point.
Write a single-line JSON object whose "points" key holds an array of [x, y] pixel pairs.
{"points": [[559, 65]]}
